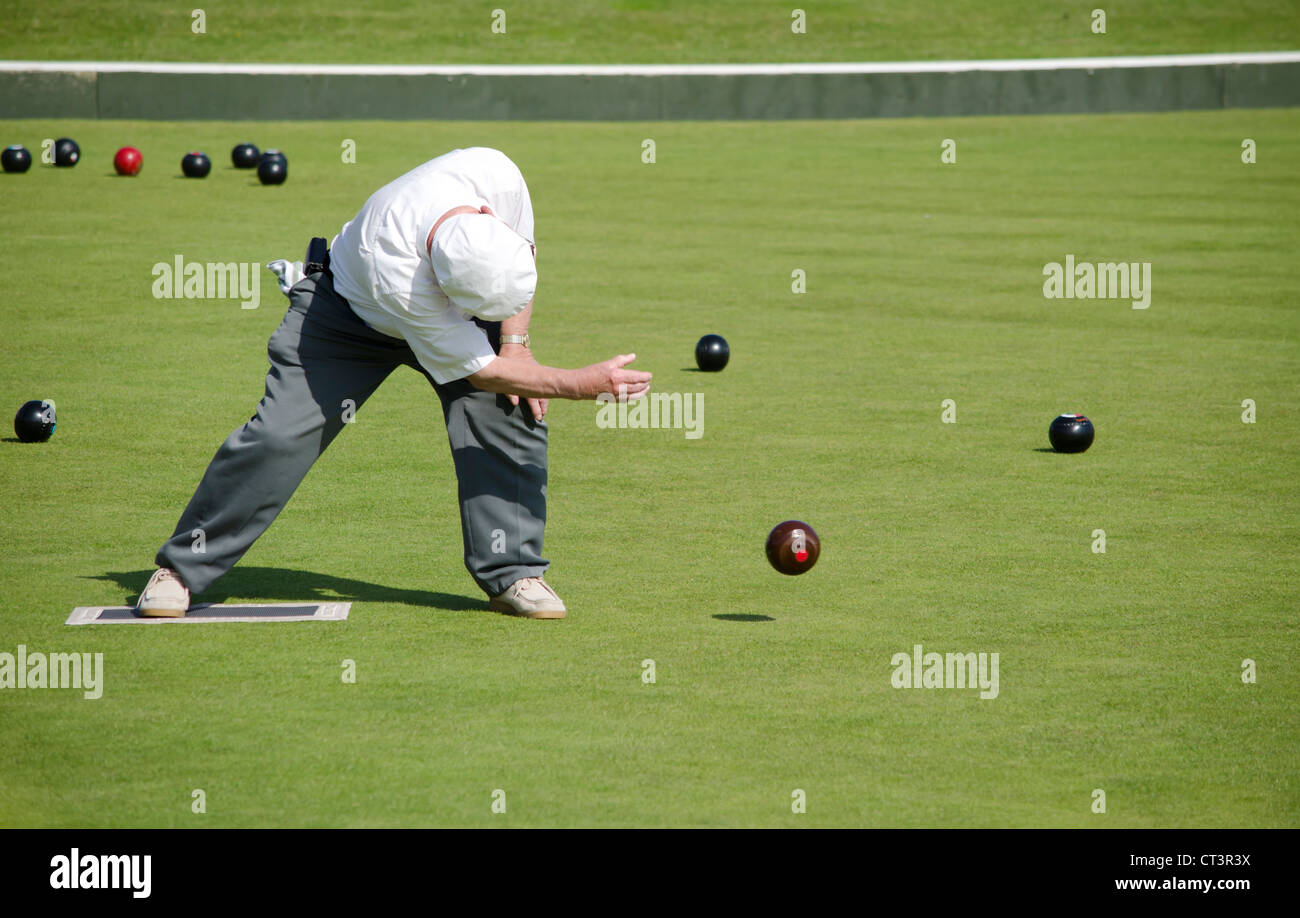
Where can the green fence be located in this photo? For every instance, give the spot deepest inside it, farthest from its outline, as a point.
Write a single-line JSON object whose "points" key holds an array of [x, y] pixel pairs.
{"points": [[209, 92]]}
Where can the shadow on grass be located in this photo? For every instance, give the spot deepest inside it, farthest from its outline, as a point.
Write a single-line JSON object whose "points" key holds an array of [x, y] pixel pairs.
{"points": [[279, 584], [738, 617]]}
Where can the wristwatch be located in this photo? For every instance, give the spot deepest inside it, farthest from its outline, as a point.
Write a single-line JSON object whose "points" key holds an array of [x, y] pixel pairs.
{"points": [[515, 339]]}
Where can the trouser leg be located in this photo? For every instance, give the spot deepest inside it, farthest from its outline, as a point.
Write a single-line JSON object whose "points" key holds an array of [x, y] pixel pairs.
{"points": [[325, 362], [500, 455]]}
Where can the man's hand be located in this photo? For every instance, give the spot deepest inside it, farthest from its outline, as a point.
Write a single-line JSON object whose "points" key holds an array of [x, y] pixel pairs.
{"points": [[537, 406], [610, 377]]}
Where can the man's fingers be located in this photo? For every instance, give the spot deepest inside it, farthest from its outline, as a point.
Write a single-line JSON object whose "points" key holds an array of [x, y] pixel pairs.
{"points": [[632, 391], [623, 384], [632, 381], [536, 405]]}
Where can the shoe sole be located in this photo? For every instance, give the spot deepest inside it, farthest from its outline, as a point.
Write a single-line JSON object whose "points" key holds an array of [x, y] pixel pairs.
{"points": [[496, 606], [161, 613]]}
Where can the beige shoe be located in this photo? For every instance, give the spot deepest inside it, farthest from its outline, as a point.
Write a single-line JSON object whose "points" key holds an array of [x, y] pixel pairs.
{"points": [[531, 597], [164, 596]]}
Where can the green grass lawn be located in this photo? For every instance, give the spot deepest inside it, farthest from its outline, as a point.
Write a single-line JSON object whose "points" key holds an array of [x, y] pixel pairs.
{"points": [[635, 31], [1118, 671]]}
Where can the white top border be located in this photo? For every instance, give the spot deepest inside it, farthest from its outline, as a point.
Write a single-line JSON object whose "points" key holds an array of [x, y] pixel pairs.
{"points": [[1054, 63]]}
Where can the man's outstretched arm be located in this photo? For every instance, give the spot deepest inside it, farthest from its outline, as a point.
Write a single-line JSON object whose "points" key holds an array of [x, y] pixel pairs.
{"points": [[513, 376]]}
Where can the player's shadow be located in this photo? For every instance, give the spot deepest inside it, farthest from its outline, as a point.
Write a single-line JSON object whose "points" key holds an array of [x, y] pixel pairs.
{"points": [[281, 585], [740, 617]]}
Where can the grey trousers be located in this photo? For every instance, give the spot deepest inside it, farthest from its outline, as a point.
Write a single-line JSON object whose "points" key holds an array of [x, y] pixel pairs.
{"points": [[325, 363]]}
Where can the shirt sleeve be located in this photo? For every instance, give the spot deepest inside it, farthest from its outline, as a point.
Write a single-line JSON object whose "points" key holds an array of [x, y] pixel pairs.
{"points": [[449, 354]]}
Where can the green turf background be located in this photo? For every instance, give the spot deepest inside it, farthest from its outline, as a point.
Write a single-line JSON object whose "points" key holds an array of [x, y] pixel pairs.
{"points": [[1118, 671], [635, 31]]}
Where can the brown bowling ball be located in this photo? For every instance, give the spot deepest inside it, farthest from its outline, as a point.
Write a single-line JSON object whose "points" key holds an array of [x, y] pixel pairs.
{"points": [[793, 547]]}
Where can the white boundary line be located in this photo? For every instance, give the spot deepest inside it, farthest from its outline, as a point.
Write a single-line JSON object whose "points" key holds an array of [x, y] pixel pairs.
{"points": [[325, 611], [1053, 63]]}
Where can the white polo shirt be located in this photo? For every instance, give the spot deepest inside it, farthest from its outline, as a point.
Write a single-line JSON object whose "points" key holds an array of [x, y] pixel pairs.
{"points": [[382, 267]]}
